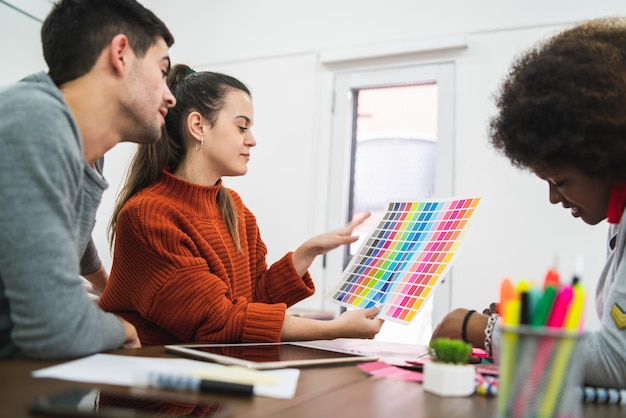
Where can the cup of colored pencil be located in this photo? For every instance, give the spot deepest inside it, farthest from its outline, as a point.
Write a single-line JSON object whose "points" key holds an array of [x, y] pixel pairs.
{"points": [[540, 372]]}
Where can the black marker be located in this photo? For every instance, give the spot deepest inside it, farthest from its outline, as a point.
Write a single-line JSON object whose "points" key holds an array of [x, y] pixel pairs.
{"points": [[524, 318], [194, 384]]}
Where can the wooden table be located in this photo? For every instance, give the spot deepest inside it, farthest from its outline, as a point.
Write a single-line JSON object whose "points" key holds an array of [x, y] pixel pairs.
{"points": [[335, 392]]}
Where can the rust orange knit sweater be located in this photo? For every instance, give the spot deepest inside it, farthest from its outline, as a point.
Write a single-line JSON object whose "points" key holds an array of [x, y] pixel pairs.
{"points": [[178, 277]]}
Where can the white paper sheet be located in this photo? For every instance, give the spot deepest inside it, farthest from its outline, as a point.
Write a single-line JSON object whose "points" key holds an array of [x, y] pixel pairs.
{"points": [[396, 354], [122, 370]]}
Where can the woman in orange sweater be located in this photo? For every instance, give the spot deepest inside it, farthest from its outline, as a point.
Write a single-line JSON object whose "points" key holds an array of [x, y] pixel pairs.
{"points": [[189, 263]]}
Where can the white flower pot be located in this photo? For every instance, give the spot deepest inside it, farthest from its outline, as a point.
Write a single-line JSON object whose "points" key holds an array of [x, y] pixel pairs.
{"points": [[445, 379]]}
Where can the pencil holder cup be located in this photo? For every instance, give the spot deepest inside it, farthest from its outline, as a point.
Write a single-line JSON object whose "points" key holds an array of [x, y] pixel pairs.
{"points": [[540, 373]]}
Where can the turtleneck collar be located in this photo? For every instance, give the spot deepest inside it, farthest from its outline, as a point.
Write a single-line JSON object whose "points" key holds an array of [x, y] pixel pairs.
{"points": [[617, 203], [189, 197]]}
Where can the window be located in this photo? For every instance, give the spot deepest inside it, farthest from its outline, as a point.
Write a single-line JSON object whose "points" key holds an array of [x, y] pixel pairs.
{"points": [[392, 140]]}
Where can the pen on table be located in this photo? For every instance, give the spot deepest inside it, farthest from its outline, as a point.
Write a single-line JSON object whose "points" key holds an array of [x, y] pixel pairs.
{"points": [[192, 384], [589, 394], [599, 395], [486, 385]]}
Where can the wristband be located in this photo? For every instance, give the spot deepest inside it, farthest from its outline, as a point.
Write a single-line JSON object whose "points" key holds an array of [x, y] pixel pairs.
{"points": [[491, 323], [464, 326]]}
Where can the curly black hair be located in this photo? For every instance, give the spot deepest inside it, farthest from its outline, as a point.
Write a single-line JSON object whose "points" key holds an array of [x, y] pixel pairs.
{"points": [[563, 103]]}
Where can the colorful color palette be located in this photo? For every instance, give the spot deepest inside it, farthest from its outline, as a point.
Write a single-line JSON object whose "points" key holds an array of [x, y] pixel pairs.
{"points": [[405, 257]]}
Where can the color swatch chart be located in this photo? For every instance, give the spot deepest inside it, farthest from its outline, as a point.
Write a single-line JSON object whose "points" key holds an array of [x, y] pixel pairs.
{"points": [[405, 257]]}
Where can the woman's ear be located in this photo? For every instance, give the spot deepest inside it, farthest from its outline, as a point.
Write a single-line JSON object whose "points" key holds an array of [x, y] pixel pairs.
{"points": [[195, 124]]}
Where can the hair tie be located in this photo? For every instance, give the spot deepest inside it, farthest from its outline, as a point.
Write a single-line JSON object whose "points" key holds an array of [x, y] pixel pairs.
{"points": [[190, 71]]}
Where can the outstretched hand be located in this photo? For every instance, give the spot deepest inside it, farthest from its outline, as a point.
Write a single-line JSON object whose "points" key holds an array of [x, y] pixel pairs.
{"points": [[323, 243], [304, 255]]}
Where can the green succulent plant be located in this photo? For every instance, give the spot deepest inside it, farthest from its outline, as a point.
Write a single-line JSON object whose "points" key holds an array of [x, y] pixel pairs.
{"points": [[445, 350]]}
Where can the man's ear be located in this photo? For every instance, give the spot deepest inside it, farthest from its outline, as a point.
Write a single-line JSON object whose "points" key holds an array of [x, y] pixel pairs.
{"points": [[120, 52]]}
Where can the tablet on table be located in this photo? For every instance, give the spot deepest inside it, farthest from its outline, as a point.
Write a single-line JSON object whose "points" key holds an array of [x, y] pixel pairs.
{"points": [[262, 356]]}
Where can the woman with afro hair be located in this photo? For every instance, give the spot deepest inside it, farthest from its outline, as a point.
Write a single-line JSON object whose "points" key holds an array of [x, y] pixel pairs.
{"points": [[562, 116]]}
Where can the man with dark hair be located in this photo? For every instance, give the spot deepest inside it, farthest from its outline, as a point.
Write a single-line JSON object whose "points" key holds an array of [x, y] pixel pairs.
{"points": [[106, 84]]}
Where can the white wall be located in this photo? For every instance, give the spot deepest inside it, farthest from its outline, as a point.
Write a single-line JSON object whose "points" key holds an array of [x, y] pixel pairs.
{"points": [[274, 46], [20, 45]]}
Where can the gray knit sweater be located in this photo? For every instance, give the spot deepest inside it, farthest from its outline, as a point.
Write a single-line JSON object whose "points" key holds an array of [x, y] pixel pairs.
{"points": [[48, 199]]}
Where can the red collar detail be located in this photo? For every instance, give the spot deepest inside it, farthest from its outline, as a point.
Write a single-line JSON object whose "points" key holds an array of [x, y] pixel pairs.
{"points": [[617, 203]]}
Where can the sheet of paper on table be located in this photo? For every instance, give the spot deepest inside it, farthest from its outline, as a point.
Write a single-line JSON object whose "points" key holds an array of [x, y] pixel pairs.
{"points": [[396, 354], [122, 370]]}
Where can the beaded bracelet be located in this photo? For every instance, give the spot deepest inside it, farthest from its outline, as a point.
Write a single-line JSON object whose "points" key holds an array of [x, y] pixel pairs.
{"points": [[464, 326], [491, 323]]}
